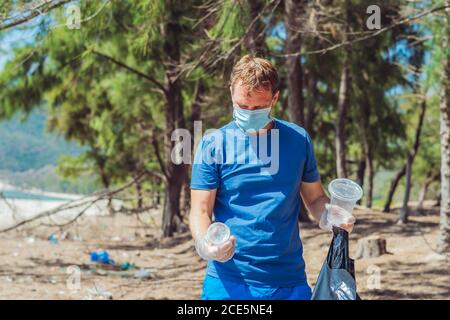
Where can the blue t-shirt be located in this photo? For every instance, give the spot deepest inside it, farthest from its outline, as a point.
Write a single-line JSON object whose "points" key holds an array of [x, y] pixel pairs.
{"points": [[258, 196]]}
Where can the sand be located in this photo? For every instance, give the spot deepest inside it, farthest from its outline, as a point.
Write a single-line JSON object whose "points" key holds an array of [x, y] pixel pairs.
{"points": [[34, 268]]}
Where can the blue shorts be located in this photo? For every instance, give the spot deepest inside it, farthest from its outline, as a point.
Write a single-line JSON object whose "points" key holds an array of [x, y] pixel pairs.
{"points": [[219, 289]]}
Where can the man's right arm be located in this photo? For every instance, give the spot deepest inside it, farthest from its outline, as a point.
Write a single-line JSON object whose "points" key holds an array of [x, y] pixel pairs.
{"points": [[200, 216]]}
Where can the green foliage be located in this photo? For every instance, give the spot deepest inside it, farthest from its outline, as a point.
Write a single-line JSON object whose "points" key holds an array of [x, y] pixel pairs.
{"points": [[114, 112], [229, 27]]}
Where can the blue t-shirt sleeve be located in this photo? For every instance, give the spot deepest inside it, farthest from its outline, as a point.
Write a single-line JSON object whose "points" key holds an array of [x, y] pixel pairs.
{"points": [[204, 171], [310, 171]]}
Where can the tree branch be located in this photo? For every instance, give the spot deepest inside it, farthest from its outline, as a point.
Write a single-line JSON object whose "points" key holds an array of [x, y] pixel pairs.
{"points": [[34, 12], [159, 158], [368, 36], [87, 200], [133, 70]]}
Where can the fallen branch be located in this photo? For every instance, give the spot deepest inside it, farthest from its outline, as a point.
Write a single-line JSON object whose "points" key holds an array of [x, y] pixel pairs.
{"points": [[101, 195]]}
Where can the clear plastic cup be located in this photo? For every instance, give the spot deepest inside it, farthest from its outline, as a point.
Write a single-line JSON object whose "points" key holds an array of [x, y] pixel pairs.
{"points": [[218, 233], [344, 193]]}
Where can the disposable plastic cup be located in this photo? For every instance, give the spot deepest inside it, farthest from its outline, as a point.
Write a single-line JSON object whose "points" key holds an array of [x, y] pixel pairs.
{"points": [[344, 193], [218, 233]]}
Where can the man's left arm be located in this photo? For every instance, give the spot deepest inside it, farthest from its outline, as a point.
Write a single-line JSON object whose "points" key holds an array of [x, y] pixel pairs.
{"points": [[315, 199]]}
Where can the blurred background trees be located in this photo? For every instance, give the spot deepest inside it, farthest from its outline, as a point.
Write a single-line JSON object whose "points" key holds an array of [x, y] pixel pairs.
{"points": [[376, 102]]}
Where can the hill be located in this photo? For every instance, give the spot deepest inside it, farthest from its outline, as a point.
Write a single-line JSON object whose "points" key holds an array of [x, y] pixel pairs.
{"points": [[25, 143], [29, 154]]}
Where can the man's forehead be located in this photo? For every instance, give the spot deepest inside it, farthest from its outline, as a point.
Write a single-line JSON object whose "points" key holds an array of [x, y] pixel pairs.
{"points": [[244, 92]]}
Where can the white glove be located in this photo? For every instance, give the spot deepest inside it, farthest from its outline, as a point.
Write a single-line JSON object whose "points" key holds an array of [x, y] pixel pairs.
{"points": [[221, 253], [342, 218], [323, 223]]}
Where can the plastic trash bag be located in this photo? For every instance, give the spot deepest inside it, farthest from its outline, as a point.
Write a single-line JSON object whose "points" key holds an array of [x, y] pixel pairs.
{"points": [[336, 279]]}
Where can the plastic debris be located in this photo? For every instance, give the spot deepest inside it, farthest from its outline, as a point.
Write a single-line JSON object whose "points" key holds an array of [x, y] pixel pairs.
{"points": [[53, 239], [30, 240], [126, 266], [77, 237], [97, 291], [101, 256], [143, 274]]}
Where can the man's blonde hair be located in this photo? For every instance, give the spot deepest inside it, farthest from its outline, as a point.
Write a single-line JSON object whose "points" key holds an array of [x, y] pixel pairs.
{"points": [[255, 73]]}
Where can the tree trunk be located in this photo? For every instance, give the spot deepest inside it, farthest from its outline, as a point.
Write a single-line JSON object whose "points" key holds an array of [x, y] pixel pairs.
{"points": [[360, 175], [185, 202], [342, 107], [410, 162], [175, 173], [444, 238], [430, 178], [422, 196], [196, 111], [364, 124], [105, 181], [140, 199], [392, 188], [361, 171], [340, 123], [154, 189], [404, 211], [310, 104], [255, 40], [413, 152], [438, 199], [370, 248], [370, 175], [171, 207], [158, 199], [294, 9]]}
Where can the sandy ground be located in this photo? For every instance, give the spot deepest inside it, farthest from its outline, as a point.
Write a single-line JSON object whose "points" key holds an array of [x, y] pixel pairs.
{"points": [[34, 268]]}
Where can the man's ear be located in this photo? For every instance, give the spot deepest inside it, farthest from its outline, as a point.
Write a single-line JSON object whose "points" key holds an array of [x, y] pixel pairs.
{"points": [[275, 100], [275, 97]]}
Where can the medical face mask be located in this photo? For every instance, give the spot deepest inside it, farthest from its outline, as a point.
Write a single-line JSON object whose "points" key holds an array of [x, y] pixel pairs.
{"points": [[251, 119]]}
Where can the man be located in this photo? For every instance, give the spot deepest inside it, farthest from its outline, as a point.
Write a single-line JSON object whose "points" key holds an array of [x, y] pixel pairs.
{"points": [[263, 259]]}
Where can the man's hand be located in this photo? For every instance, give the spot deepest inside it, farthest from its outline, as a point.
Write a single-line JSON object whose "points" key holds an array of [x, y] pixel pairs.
{"points": [[221, 253], [342, 217]]}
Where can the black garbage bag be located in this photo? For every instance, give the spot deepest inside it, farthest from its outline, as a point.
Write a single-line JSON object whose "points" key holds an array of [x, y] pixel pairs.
{"points": [[336, 279]]}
